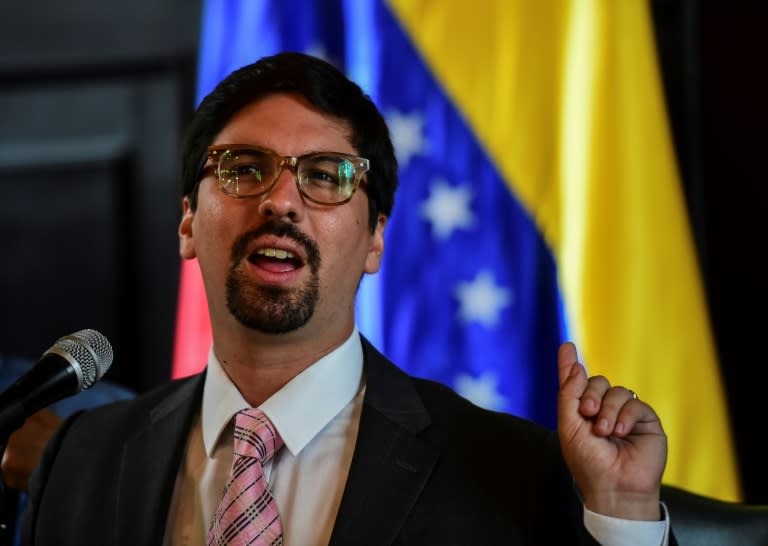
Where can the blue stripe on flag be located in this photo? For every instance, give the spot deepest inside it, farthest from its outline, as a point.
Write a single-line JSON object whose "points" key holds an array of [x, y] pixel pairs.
{"points": [[238, 32]]}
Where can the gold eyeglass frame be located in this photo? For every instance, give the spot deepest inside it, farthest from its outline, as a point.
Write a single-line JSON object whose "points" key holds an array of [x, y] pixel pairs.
{"points": [[217, 151]]}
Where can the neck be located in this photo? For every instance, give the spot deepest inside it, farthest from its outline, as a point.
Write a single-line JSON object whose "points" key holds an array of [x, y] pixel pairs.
{"points": [[261, 364]]}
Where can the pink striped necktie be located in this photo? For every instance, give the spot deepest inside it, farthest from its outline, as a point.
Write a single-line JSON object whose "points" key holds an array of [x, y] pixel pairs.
{"points": [[248, 513]]}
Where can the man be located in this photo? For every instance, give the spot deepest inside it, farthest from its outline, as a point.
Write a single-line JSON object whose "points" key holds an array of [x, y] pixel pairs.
{"points": [[289, 178]]}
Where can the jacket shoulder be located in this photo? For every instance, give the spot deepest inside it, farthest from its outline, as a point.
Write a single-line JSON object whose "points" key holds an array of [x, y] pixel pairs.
{"points": [[152, 404]]}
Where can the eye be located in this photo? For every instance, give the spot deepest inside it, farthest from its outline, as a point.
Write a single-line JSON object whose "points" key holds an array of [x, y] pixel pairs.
{"points": [[327, 170], [248, 171], [321, 176], [247, 166]]}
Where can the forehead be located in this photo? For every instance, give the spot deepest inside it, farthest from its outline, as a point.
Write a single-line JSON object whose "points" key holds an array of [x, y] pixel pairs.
{"points": [[288, 124]]}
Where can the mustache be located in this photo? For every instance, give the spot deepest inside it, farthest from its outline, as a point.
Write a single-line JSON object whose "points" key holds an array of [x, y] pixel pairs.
{"points": [[278, 229]]}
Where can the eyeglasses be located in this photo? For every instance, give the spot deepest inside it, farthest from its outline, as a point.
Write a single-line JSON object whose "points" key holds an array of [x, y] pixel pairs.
{"points": [[326, 178]]}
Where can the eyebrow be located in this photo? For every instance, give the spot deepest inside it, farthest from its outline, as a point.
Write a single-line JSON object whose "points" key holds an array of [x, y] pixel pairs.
{"points": [[268, 149]]}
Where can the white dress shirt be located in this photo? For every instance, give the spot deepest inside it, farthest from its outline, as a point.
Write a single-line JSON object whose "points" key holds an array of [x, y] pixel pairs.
{"points": [[317, 414]]}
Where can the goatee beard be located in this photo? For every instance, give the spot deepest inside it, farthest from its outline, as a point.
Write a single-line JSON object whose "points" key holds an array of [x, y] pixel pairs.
{"points": [[272, 309]]}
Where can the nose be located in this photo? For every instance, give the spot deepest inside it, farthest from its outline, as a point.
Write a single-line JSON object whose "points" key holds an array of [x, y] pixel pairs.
{"points": [[283, 198]]}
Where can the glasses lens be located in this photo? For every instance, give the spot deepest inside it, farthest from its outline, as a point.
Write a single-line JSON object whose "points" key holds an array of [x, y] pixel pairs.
{"points": [[327, 178], [246, 172]]}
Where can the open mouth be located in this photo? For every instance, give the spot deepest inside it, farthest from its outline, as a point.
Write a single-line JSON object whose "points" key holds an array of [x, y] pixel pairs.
{"points": [[277, 252], [275, 260]]}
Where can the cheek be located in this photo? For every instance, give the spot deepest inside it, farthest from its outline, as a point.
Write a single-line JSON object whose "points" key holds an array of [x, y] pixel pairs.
{"points": [[213, 205], [214, 227], [344, 243]]}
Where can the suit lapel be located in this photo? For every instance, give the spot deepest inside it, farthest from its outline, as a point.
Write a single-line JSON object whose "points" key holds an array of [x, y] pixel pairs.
{"points": [[148, 468], [390, 464], [389, 467]]}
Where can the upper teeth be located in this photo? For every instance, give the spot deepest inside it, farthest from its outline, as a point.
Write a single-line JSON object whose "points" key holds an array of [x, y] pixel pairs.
{"points": [[275, 253]]}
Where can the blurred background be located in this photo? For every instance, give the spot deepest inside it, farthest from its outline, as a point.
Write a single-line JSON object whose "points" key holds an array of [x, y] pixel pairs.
{"points": [[94, 97]]}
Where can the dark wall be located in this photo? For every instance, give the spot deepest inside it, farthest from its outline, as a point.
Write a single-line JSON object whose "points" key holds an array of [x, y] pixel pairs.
{"points": [[734, 121], [93, 97]]}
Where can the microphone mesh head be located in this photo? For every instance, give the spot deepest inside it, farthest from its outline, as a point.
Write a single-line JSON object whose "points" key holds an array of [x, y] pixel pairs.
{"points": [[91, 351]]}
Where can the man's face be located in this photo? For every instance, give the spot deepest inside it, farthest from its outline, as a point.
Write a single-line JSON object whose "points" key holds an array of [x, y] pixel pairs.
{"points": [[277, 263]]}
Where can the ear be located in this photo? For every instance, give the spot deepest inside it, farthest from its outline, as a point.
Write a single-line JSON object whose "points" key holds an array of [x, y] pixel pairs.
{"points": [[186, 241], [375, 251]]}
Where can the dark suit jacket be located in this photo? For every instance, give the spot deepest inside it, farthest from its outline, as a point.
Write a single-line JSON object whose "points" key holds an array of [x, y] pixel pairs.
{"points": [[428, 468]]}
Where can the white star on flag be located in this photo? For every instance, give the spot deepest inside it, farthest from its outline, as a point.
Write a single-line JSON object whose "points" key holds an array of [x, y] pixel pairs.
{"points": [[482, 391], [447, 208], [482, 300], [407, 135]]}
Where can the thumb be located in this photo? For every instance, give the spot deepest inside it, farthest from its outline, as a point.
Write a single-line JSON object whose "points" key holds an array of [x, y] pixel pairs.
{"points": [[566, 358], [573, 381]]}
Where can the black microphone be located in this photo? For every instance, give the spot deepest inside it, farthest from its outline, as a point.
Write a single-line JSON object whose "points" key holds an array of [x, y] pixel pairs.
{"points": [[74, 363]]}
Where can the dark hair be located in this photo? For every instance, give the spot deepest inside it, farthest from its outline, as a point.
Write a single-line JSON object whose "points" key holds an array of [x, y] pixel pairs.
{"points": [[326, 88]]}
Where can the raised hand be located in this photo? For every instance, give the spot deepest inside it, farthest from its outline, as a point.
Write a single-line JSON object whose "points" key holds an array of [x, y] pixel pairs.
{"points": [[612, 442]]}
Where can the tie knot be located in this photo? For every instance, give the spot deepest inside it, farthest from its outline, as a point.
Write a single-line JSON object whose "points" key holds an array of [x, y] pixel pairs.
{"points": [[255, 435]]}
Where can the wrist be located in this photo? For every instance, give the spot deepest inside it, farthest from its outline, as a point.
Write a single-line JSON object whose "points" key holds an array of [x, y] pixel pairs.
{"points": [[632, 506]]}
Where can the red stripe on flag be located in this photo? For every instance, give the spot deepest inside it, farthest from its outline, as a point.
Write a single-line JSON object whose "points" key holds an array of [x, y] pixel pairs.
{"points": [[193, 325]]}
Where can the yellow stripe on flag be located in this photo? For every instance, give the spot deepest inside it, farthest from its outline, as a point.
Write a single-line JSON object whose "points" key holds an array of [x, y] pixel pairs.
{"points": [[566, 98]]}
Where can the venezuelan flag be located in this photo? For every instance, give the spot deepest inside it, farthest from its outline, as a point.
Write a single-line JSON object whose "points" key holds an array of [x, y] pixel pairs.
{"points": [[540, 200]]}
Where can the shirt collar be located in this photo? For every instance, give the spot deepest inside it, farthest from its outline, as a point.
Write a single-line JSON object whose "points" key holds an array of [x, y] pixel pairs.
{"points": [[324, 389]]}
